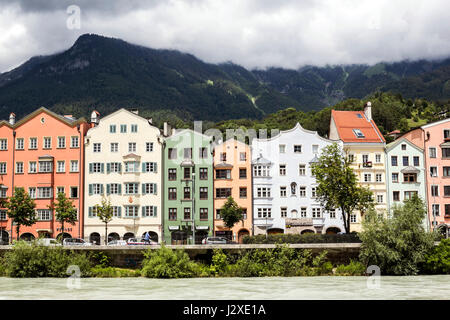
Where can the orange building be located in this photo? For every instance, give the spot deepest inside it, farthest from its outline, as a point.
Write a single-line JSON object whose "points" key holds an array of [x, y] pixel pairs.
{"points": [[43, 153], [233, 177]]}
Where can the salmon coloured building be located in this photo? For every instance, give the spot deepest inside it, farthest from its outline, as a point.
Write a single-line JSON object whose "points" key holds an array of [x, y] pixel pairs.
{"points": [[42, 153]]}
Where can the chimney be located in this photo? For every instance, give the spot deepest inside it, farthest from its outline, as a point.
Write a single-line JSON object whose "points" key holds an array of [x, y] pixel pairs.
{"points": [[167, 130], [368, 110], [135, 111], [12, 118], [95, 117]]}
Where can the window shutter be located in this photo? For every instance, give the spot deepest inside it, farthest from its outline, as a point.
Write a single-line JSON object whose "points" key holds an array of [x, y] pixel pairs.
{"points": [[155, 212], [155, 167], [136, 166], [101, 188], [108, 188], [120, 189], [119, 209], [143, 188], [108, 167], [143, 166], [154, 188], [143, 211], [90, 167], [90, 189], [90, 211], [120, 167], [102, 167]]}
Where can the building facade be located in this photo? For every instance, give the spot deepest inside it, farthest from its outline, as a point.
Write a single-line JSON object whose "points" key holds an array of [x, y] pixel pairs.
{"points": [[405, 173], [284, 199], [188, 187], [123, 166], [364, 145], [233, 177], [43, 153]]}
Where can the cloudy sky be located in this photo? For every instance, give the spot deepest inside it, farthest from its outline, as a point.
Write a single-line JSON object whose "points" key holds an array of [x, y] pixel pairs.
{"points": [[252, 33]]}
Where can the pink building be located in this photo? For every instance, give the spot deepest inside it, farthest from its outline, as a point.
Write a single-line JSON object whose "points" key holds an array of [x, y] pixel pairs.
{"points": [[43, 153], [434, 138]]}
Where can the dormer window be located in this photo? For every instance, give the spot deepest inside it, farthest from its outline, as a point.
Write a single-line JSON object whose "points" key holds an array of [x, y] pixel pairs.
{"points": [[358, 133]]}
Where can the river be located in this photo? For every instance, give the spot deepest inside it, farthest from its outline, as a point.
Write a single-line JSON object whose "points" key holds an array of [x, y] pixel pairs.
{"points": [[292, 288]]}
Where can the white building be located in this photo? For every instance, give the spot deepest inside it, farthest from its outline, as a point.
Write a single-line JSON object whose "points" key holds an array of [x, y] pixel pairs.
{"points": [[284, 188], [123, 165]]}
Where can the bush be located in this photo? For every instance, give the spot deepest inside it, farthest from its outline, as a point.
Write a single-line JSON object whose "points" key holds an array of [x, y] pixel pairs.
{"points": [[354, 268], [27, 260], [101, 259], [438, 260], [110, 272], [302, 238], [167, 263]]}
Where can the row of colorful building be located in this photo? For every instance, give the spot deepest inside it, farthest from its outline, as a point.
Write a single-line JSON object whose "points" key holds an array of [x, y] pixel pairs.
{"points": [[171, 182]]}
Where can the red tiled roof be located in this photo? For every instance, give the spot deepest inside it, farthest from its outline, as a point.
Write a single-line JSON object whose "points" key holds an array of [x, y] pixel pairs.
{"points": [[346, 121]]}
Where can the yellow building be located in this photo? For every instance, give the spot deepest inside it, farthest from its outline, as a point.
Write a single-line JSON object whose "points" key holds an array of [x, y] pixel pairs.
{"points": [[364, 144]]}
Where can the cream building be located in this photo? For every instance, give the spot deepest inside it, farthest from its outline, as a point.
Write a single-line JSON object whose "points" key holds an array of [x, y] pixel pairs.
{"points": [[123, 165]]}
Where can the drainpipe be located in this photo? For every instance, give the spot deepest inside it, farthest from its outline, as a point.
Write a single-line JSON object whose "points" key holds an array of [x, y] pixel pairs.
{"points": [[426, 136], [162, 187], [80, 172], [13, 172]]}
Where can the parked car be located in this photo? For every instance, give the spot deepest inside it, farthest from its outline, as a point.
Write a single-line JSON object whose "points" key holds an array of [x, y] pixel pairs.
{"points": [[139, 242], [75, 242], [117, 243], [48, 242], [214, 240]]}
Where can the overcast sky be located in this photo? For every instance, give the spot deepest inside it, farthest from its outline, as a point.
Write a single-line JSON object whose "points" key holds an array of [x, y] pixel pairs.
{"points": [[252, 33]]}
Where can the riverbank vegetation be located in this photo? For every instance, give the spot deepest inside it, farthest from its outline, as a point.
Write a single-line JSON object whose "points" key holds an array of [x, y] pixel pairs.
{"points": [[302, 238]]}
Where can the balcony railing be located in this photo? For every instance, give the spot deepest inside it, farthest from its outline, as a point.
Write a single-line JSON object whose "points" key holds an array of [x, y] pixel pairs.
{"points": [[367, 164]]}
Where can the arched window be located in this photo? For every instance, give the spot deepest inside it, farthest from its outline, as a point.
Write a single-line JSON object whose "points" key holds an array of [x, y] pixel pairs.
{"points": [[293, 188]]}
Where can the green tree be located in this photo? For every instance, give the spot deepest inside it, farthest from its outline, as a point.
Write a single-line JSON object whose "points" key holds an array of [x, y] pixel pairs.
{"points": [[105, 214], [231, 213], [338, 186], [65, 212], [21, 209], [399, 244]]}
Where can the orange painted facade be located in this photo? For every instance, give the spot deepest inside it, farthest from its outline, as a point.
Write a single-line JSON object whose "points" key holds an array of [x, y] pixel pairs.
{"points": [[233, 175], [44, 155]]}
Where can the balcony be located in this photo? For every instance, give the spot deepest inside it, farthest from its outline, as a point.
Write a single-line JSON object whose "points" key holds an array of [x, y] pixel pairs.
{"points": [[367, 164], [318, 222], [263, 222]]}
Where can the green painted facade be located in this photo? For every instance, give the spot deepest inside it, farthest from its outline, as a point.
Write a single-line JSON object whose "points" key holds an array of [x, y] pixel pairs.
{"points": [[178, 169]]}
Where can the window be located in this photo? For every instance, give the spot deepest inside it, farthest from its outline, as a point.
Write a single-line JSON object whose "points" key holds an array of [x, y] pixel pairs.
{"points": [[61, 166], [73, 165], [447, 210], [358, 133], [303, 212], [112, 128], [316, 212], [242, 173], [131, 166], [380, 198], [187, 213], [203, 213], [149, 167], [264, 212], [96, 188], [96, 167], [19, 144], [44, 192], [149, 188], [223, 192], [283, 192], [283, 212], [203, 153], [351, 158], [446, 191], [114, 167], [365, 158], [19, 167], [433, 171], [2, 167], [242, 192], [406, 161], [223, 156], [282, 169], [187, 153], [114, 147], [187, 173], [435, 191], [313, 192], [282, 148], [446, 171], [45, 166], [203, 173], [32, 192], [378, 158], [74, 192], [148, 146], [396, 195], [172, 153], [61, 142], [263, 192], [172, 214], [97, 147], [218, 214], [332, 213], [302, 169], [3, 144], [2, 215], [435, 210], [33, 143], [113, 188], [378, 177], [203, 193], [445, 152], [74, 142], [297, 148], [32, 167], [302, 192], [353, 218], [315, 149], [172, 193], [367, 177], [432, 151], [403, 146], [395, 177], [223, 174], [131, 146], [131, 188], [446, 133], [131, 211], [172, 174], [44, 215], [123, 128], [47, 143], [134, 128], [261, 171], [409, 194], [243, 156], [394, 161]]}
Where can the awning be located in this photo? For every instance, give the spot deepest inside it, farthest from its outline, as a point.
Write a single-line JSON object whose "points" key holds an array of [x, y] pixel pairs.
{"points": [[174, 227], [44, 230], [410, 170], [202, 227], [187, 163], [223, 165], [445, 144]]}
